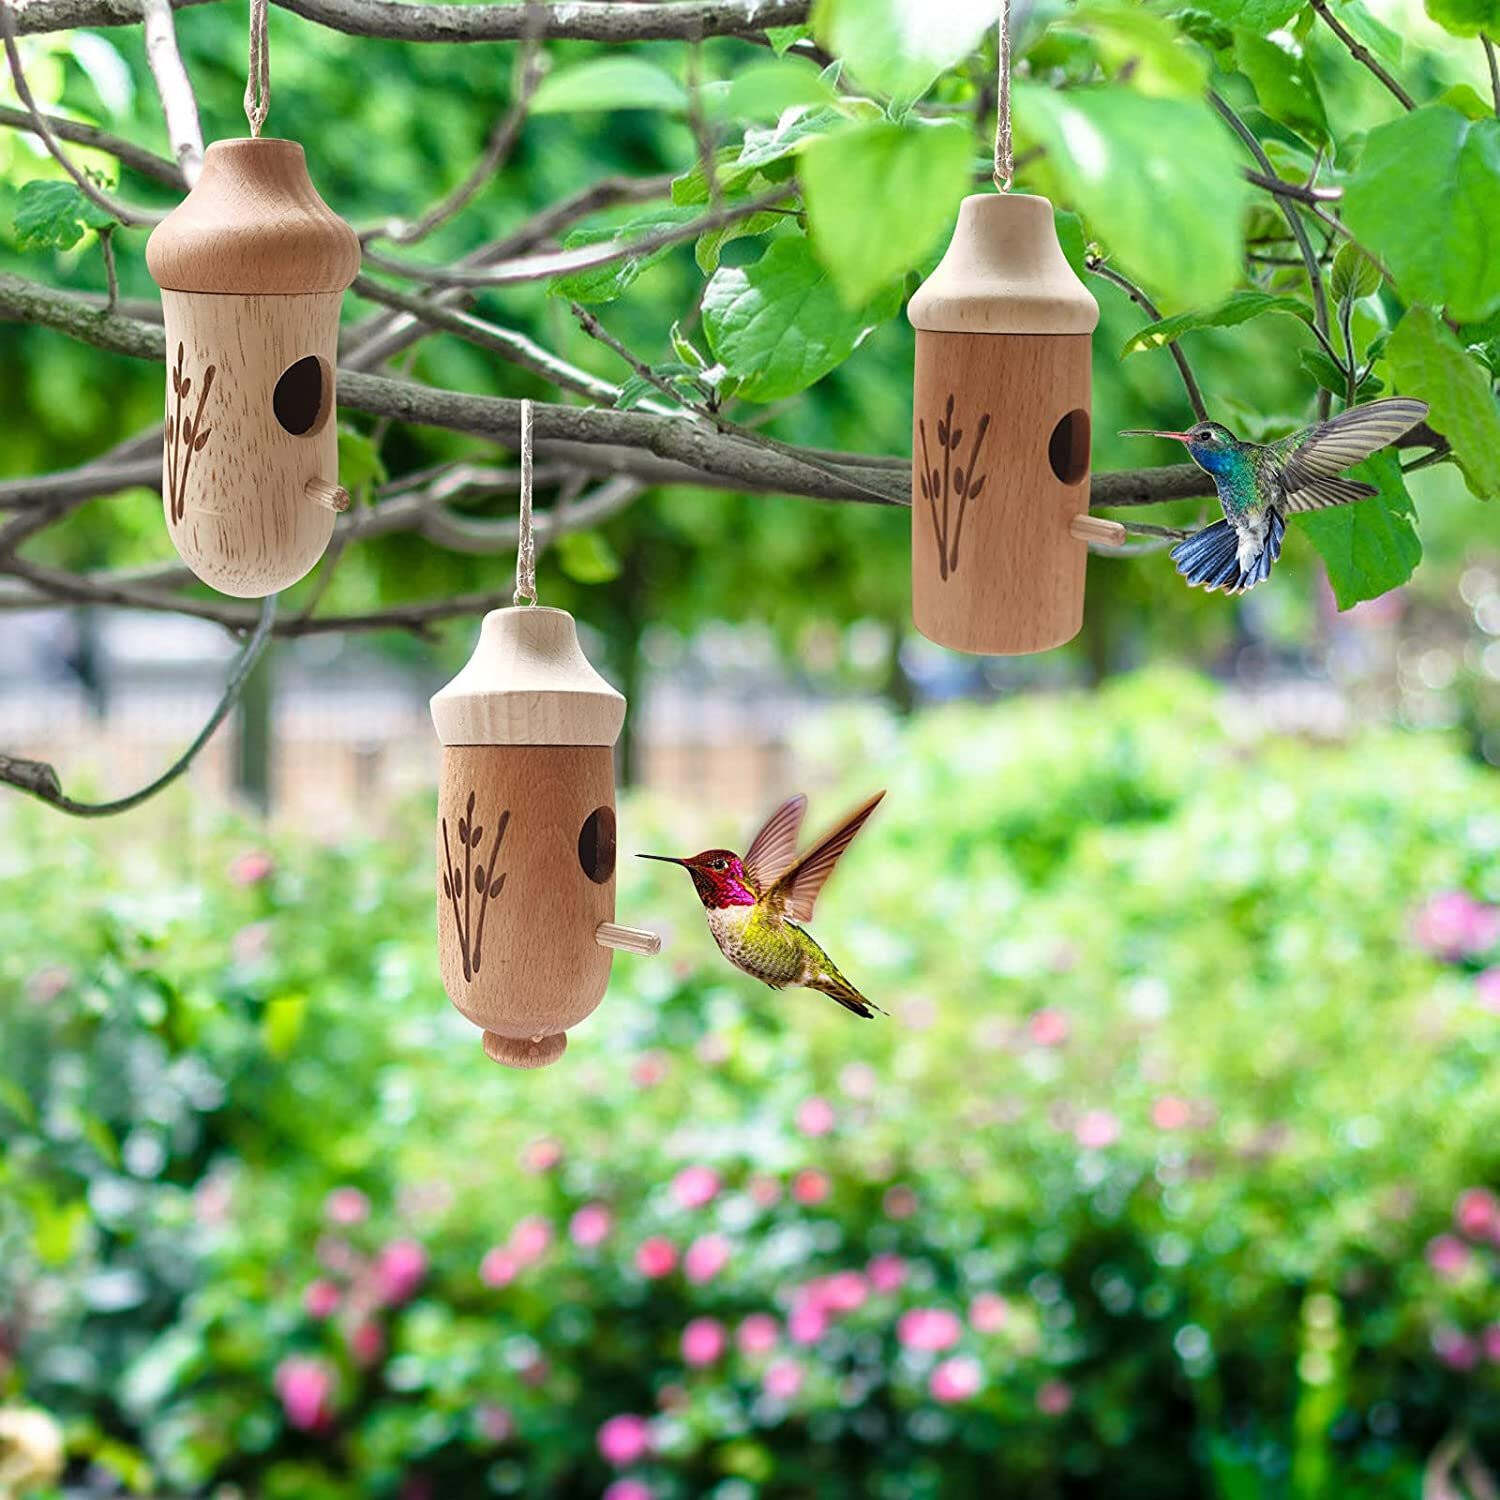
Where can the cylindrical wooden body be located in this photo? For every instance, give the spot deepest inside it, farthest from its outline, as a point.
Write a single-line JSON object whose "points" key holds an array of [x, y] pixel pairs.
{"points": [[526, 873], [244, 437], [1000, 444]]}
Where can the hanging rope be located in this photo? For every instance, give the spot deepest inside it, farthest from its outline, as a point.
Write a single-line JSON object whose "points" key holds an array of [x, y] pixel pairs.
{"points": [[1005, 167], [258, 81], [526, 548]]}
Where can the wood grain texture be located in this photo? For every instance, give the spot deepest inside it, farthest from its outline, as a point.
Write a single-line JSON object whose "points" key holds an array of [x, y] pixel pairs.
{"points": [[253, 223], [995, 569], [517, 911], [234, 483], [528, 683]]}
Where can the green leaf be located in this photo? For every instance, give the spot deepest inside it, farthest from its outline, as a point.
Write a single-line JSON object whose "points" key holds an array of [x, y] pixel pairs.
{"points": [[622, 82], [1426, 198], [1466, 17], [1239, 307], [1127, 36], [1157, 181], [1283, 81], [1071, 237], [605, 283], [1323, 370], [709, 247], [900, 46], [1253, 15], [587, 557], [1355, 275], [779, 325], [360, 463], [281, 1025], [764, 153], [880, 195], [1371, 546], [783, 37], [633, 390], [1375, 34], [1467, 100], [55, 215], [766, 90], [1426, 360]]}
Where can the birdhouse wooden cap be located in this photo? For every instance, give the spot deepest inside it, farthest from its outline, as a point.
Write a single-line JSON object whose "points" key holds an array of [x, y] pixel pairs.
{"points": [[528, 683], [1004, 272], [253, 223]]}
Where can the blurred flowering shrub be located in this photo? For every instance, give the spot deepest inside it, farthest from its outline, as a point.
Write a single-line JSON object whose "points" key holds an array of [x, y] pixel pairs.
{"points": [[1174, 1170]]}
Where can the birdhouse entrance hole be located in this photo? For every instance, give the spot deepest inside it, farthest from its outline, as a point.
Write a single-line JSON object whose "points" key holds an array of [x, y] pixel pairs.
{"points": [[1068, 447], [596, 845], [300, 399]]}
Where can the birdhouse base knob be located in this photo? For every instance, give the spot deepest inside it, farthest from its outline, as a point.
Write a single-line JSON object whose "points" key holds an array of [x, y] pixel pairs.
{"points": [[524, 1052]]}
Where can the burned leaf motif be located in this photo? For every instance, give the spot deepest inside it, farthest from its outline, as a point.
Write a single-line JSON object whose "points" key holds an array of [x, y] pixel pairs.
{"points": [[952, 483], [186, 435], [462, 886]]}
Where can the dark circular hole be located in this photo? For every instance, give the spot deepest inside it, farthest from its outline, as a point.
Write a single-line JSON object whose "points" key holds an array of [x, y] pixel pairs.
{"points": [[596, 845], [1068, 447], [298, 399]]}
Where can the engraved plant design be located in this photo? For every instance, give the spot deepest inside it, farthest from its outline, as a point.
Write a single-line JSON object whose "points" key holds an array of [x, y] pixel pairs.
{"points": [[950, 483], [471, 883], [185, 435]]}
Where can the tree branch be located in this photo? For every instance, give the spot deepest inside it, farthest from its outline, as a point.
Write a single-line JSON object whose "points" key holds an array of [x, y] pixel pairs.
{"points": [[1195, 396], [1362, 54], [137, 158], [575, 20], [179, 105], [40, 780]]}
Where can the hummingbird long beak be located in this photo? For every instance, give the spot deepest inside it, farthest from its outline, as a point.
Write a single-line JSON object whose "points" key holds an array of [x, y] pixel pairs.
{"points": [[1182, 437], [666, 859]]}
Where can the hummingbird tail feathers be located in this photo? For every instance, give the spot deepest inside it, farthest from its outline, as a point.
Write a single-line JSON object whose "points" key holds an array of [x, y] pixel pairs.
{"points": [[836, 987], [1210, 559]]}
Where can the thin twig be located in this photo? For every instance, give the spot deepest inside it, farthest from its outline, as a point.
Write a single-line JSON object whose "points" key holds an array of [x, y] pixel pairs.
{"points": [[1362, 54], [111, 277], [179, 105], [1494, 64], [1194, 394], [1295, 190], [40, 780], [127, 153], [698, 124]]}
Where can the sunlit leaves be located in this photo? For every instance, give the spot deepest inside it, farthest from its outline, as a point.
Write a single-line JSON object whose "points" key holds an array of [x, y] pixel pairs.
{"points": [[622, 82], [1157, 181], [1129, 38], [1354, 274], [900, 46], [779, 324], [1466, 17], [1255, 15], [1240, 307], [605, 283], [879, 197], [587, 557], [1283, 81], [1427, 198], [52, 214], [1428, 361], [766, 90], [1371, 546]]}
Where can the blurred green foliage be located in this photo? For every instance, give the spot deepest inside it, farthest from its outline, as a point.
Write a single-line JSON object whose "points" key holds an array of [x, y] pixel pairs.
{"points": [[1172, 1171]]}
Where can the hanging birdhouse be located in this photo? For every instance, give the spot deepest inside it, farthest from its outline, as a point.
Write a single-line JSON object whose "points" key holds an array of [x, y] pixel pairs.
{"points": [[252, 267], [526, 835], [1000, 467]]}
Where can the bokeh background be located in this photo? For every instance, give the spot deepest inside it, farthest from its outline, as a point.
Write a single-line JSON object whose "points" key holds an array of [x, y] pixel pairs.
{"points": [[1172, 1171]]}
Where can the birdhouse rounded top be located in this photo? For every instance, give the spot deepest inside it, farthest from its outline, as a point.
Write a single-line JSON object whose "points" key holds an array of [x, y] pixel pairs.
{"points": [[253, 223], [1004, 272], [528, 683]]}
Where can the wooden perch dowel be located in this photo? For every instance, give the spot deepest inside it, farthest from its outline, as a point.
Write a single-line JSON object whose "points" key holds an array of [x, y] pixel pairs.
{"points": [[627, 939], [1097, 529], [333, 496]]}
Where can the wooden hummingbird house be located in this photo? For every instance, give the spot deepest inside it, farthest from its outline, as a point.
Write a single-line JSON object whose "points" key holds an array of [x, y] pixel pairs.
{"points": [[1000, 470], [526, 835], [252, 267]]}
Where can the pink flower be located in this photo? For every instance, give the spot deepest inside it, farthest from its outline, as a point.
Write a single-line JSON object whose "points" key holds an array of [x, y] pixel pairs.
{"points": [[1049, 1028], [251, 943], [498, 1268], [956, 1379], [1453, 925], [541, 1155], [695, 1187], [624, 1440], [930, 1329], [1096, 1129], [400, 1269], [251, 868], [1054, 1398], [807, 1322], [757, 1334], [703, 1342], [887, 1272], [1455, 1349], [628, 1489], [305, 1387], [988, 1313], [1171, 1113], [590, 1226], [705, 1258], [530, 1240], [766, 1191], [859, 1080], [900, 1202], [1477, 1214], [1487, 987], [845, 1291], [321, 1299], [649, 1070], [656, 1258], [366, 1342], [810, 1187], [1448, 1256], [495, 1422], [783, 1380], [346, 1205], [815, 1117], [1491, 1341]]}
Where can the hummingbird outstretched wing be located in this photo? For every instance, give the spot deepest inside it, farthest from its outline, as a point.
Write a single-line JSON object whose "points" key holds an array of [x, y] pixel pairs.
{"points": [[796, 890], [1321, 453], [775, 846]]}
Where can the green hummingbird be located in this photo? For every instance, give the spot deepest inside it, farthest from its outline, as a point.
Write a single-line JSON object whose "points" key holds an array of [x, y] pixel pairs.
{"points": [[755, 904], [1259, 484]]}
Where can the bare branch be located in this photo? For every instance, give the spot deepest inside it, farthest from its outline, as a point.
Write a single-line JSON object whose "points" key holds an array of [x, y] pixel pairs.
{"points": [[1494, 66], [1362, 54], [576, 20], [75, 132], [179, 105], [1293, 190], [40, 780]]}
